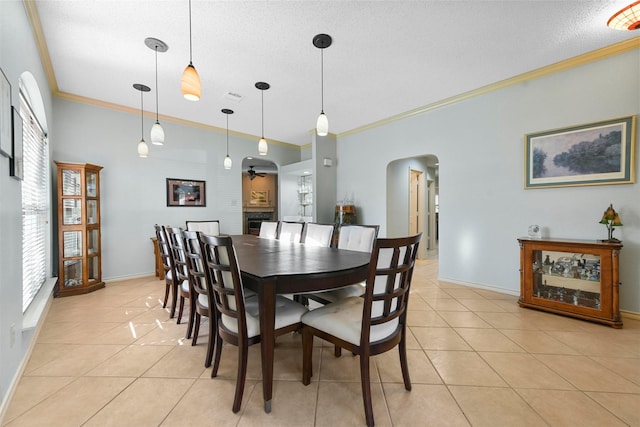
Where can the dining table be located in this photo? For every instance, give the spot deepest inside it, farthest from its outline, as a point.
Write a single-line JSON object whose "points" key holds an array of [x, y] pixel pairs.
{"points": [[271, 267]]}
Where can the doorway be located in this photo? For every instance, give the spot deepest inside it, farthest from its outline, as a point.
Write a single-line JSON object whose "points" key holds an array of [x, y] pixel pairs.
{"points": [[412, 193]]}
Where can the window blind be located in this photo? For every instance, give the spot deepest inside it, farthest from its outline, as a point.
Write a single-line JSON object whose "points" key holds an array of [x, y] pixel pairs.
{"points": [[35, 204]]}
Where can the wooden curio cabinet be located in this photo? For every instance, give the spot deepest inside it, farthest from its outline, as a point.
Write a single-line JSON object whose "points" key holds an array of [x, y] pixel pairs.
{"points": [[79, 251], [577, 278]]}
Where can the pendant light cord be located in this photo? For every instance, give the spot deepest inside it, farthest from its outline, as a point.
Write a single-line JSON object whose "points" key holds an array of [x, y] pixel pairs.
{"points": [[157, 121], [262, 113], [322, 80], [141, 116], [227, 134], [190, 41]]}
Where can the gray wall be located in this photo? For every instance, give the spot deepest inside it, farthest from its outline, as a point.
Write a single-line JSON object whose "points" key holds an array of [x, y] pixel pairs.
{"points": [[479, 143]]}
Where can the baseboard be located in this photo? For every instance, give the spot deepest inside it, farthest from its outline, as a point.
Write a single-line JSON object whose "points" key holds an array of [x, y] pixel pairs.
{"points": [[480, 286]]}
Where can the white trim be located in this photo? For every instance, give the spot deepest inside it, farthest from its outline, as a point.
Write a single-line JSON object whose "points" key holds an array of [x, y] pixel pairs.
{"points": [[480, 286], [38, 306]]}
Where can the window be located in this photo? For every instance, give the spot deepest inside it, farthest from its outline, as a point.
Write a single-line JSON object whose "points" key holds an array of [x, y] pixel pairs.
{"points": [[35, 204]]}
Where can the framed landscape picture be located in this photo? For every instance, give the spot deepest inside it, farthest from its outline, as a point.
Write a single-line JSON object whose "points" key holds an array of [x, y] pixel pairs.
{"points": [[591, 154], [182, 192]]}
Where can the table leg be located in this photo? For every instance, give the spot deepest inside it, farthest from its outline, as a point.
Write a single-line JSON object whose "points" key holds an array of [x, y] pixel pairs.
{"points": [[267, 307]]}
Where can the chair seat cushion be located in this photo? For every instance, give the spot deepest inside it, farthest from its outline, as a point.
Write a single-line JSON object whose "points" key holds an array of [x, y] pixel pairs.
{"points": [[184, 285], [343, 319], [288, 312], [203, 300], [335, 295]]}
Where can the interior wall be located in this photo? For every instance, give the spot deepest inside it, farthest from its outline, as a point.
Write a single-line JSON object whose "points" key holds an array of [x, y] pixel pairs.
{"points": [[479, 142], [133, 193], [18, 54]]}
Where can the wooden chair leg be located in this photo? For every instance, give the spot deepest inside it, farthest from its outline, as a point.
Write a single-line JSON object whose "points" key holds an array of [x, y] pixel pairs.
{"points": [[174, 301], [196, 329], [180, 309], [167, 289], [366, 389], [218, 353], [243, 353], [402, 348], [192, 312], [307, 356], [211, 345]]}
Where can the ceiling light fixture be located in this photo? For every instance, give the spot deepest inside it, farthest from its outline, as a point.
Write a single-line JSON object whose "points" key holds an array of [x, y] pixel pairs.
{"points": [[227, 160], [627, 18], [263, 148], [143, 148], [322, 41], [157, 133], [190, 82]]}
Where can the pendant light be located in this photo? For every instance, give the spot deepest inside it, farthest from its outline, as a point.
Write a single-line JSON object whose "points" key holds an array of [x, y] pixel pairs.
{"points": [[227, 160], [157, 133], [143, 148], [322, 41], [627, 18], [190, 82], [263, 148]]}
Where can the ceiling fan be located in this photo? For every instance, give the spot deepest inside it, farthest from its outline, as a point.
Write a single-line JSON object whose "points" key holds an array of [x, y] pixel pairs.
{"points": [[253, 174]]}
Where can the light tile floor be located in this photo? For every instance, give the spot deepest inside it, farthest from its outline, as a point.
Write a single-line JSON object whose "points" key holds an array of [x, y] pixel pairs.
{"points": [[113, 357]]}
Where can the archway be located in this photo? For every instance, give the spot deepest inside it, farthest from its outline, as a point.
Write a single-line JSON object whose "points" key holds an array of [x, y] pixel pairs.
{"points": [[412, 205], [259, 193]]}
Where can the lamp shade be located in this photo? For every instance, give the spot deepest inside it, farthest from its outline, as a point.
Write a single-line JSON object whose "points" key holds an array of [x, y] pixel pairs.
{"points": [[190, 83], [322, 126], [263, 148], [227, 162], [157, 134], [143, 148], [627, 18]]}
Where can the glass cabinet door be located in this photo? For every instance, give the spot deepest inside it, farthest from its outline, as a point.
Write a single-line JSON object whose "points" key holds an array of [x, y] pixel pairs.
{"points": [[92, 242], [70, 182], [73, 273], [570, 278], [71, 211], [92, 211], [92, 179], [72, 241]]}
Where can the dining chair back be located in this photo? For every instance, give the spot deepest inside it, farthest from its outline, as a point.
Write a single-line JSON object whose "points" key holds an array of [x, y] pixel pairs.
{"points": [[170, 276], [357, 237], [211, 227], [200, 302], [176, 244], [268, 229], [315, 234], [290, 231], [354, 238], [371, 325], [237, 318]]}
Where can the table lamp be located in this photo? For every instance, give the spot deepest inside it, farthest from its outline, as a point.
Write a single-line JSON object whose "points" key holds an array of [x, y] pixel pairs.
{"points": [[611, 219]]}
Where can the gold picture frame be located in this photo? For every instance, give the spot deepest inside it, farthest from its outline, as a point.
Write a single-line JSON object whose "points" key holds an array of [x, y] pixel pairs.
{"points": [[259, 198]]}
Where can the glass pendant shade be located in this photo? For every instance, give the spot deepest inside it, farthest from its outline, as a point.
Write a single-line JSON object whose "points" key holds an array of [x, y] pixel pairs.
{"points": [[190, 83], [157, 134], [322, 126], [263, 148], [627, 18], [143, 148], [227, 162]]}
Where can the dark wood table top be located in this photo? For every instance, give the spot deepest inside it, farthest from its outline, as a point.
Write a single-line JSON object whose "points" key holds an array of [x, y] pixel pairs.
{"points": [[286, 263]]}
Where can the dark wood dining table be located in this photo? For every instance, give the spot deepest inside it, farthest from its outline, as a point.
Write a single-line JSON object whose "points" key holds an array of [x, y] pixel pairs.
{"points": [[271, 267]]}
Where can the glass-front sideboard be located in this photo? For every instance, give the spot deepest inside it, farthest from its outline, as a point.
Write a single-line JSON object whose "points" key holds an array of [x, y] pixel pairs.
{"points": [[578, 278]]}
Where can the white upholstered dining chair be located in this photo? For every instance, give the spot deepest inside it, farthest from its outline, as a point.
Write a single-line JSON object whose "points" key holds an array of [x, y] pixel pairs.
{"points": [[354, 238], [236, 316], [290, 231], [315, 234], [268, 229], [212, 227], [373, 324]]}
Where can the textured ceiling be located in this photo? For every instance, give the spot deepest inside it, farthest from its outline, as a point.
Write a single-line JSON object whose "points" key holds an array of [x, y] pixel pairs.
{"points": [[387, 57]]}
